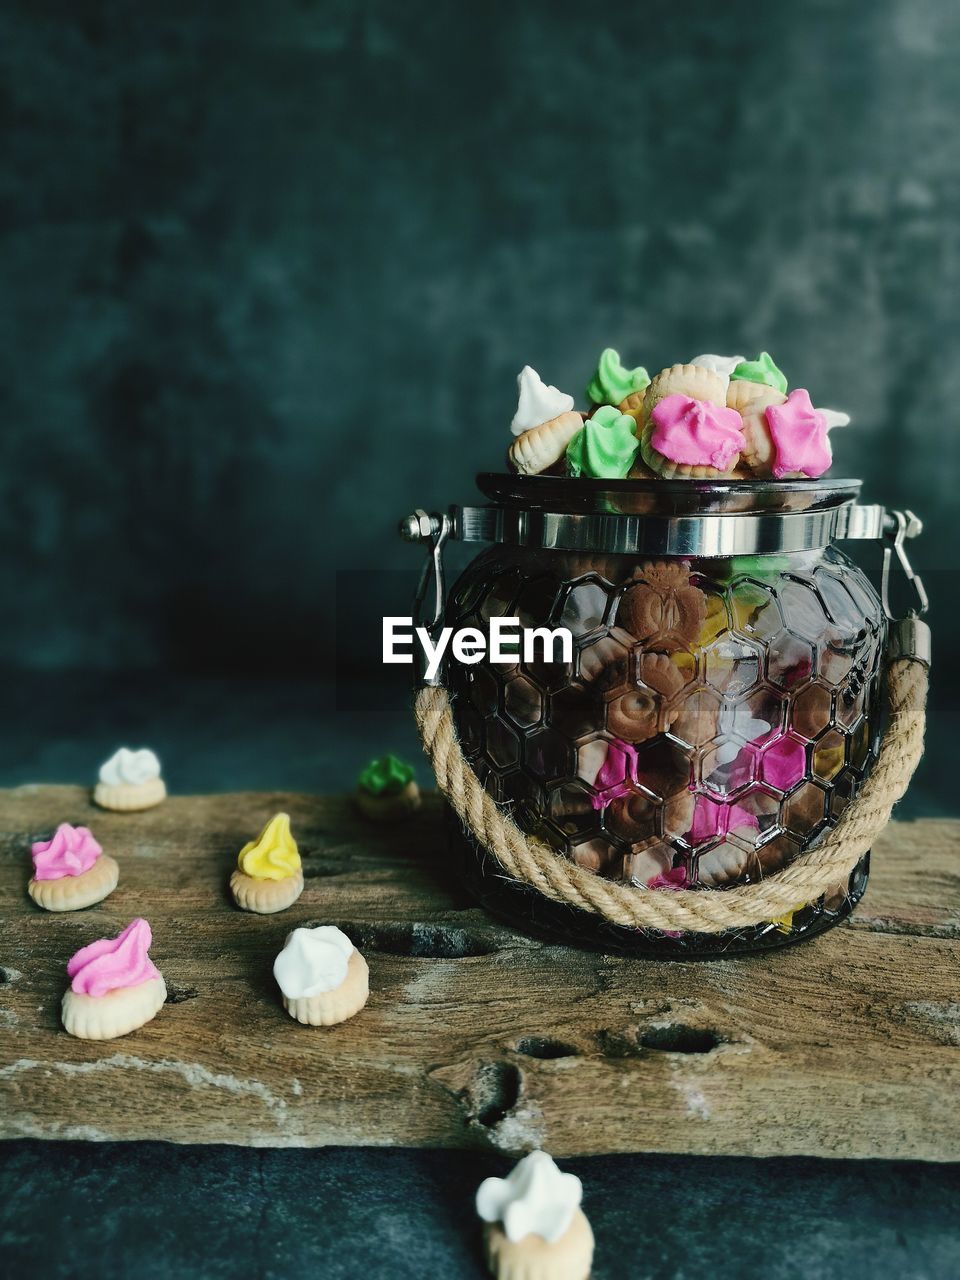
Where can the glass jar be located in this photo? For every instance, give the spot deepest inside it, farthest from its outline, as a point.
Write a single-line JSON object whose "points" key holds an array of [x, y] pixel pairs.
{"points": [[720, 706]]}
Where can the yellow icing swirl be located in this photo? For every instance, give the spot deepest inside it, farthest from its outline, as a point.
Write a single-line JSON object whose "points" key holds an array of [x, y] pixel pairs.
{"points": [[274, 854]]}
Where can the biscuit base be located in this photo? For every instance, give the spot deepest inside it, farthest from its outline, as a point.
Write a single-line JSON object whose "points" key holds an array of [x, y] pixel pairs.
{"points": [[73, 893], [128, 797], [751, 397], [691, 380], [115, 1014], [265, 896], [667, 469], [328, 1008], [534, 1258], [389, 808]]}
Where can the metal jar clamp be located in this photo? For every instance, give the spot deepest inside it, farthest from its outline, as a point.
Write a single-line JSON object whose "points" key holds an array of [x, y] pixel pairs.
{"points": [[711, 534]]}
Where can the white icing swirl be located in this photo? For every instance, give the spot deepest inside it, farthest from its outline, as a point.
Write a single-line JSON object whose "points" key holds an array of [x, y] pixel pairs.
{"points": [[834, 418], [130, 768], [739, 721], [534, 1199], [723, 365], [312, 961], [537, 402]]}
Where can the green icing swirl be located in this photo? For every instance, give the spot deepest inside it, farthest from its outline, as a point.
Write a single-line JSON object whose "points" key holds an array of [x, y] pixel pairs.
{"points": [[767, 568], [606, 447], [386, 776], [612, 383], [761, 370]]}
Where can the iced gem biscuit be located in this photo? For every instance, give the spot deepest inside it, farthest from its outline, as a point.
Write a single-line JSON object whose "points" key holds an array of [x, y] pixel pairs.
{"points": [[798, 431], [612, 384], [130, 780], [691, 439], [641, 713], [605, 447], [70, 870], [761, 370], [269, 875], [543, 425], [323, 978], [691, 380], [537, 402], [665, 610], [751, 400], [386, 790], [535, 1228], [542, 447], [741, 395], [723, 366], [114, 986]]}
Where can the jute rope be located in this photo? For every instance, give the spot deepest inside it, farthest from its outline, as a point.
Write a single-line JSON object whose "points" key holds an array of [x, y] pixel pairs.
{"points": [[819, 869]]}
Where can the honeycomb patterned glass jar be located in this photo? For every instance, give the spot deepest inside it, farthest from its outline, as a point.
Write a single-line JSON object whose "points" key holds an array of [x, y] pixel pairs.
{"points": [[720, 710]]}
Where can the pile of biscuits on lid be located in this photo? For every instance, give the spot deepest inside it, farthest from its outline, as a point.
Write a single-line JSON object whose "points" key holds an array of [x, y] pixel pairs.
{"points": [[714, 418]]}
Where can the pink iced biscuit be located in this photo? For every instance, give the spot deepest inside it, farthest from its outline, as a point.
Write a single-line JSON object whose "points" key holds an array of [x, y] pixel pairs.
{"points": [[783, 763], [711, 818], [696, 433], [799, 435], [112, 963], [675, 878], [617, 771], [69, 852]]}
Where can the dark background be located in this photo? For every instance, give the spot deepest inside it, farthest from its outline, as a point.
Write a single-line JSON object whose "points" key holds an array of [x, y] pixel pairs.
{"points": [[268, 273]]}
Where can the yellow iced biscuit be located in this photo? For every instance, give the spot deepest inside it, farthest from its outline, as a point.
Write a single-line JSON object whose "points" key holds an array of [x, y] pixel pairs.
{"points": [[269, 874]]}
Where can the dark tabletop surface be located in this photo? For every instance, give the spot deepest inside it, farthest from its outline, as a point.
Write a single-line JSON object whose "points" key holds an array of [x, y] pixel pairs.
{"points": [[83, 1210], [156, 1211]]}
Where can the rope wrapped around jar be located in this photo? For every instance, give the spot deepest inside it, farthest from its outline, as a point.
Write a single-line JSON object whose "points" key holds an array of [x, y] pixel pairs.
{"points": [[814, 872]]}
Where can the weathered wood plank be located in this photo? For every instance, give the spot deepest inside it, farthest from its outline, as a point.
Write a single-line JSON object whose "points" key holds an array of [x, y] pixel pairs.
{"points": [[848, 1045]]}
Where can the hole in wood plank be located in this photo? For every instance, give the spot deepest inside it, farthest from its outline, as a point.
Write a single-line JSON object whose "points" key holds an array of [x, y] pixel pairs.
{"points": [[495, 1092], [177, 995], [676, 1038], [8, 975], [433, 941], [546, 1048], [672, 1037]]}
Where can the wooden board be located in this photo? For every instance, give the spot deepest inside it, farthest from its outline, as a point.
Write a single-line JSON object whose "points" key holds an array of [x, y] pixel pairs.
{"points": [[847, 1045]]}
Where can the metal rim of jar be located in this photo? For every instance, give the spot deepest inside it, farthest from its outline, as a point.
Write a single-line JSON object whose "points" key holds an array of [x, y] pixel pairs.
{"points": [[721, 519]]}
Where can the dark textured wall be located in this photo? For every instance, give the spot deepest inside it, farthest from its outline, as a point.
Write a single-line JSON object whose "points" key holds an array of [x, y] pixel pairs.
{"points": [[269, 271]]}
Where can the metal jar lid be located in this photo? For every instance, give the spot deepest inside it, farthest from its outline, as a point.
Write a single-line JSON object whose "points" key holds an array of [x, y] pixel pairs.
{"points": [[679, 517]]}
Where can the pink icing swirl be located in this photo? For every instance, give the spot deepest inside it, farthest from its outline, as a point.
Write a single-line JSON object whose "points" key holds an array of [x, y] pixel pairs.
{"points": [[696, 433], [112, 963], [70, 851], [619, 768], [799, 435], [676, 878], [716, 818]]}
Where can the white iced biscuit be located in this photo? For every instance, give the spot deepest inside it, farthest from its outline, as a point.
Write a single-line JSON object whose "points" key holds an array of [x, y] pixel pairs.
{"points": [[722, 365], [537, 401], [321, 975], [535, 1227], [130, 780]]}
